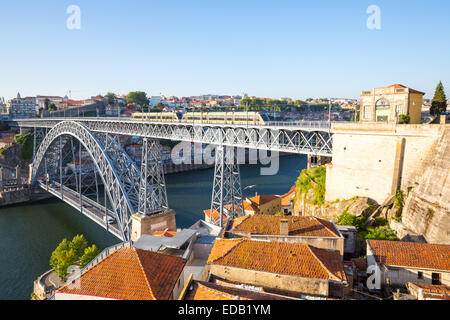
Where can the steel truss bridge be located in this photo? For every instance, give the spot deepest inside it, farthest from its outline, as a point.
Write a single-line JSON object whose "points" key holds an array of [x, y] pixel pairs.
{"points": [[129, 189]]}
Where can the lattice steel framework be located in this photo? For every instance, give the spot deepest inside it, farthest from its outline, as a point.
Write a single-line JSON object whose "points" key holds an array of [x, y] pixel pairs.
{"points": [[227, 192], [110, 163], [314, 139], [152, 188]]}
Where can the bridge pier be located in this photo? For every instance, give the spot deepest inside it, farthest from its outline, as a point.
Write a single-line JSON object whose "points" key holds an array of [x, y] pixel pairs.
{"points": [[227, 191], [153, 212]]}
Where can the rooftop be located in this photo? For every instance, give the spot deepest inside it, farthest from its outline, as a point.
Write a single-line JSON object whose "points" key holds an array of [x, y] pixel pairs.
{"points": [[431, 290], [298, 226], [300, 260], [131, 274], [411, 254], [199, 290], [260, 200]]}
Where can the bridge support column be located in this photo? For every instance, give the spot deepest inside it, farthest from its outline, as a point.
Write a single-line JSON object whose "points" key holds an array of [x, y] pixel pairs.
{"points": [[152, 189], [227, 192], [153, 212], [39, 135]]}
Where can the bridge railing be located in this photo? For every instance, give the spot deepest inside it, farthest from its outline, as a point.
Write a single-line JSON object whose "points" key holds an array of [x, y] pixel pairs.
{"points": [[322, 125]]}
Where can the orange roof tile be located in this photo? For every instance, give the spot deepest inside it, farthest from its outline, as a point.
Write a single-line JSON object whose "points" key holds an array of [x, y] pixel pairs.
{"points": [[298, 226], [260, 200], [298, 259], [289, 196], [431, 291], [131, 274], [166, 233], [200, 290], [410, 254], [215, 215], [400, 86], [360, 264]]}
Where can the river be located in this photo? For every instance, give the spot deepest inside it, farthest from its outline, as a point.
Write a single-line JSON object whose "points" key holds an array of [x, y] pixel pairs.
{"points": [[28, 234]]}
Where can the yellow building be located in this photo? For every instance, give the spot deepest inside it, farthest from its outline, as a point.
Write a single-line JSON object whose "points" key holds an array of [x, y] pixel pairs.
{"points": [[264, 204], [388, 103]]}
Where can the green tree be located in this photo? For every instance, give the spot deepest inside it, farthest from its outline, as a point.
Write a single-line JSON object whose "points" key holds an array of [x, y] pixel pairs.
{"points": [[62, 258], [439, 102], [89, 254], [111, 98], [138, 97], [78, 245]]}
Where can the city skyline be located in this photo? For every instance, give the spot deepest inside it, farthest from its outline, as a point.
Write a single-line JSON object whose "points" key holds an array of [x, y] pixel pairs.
{"points": [[295, 50]]}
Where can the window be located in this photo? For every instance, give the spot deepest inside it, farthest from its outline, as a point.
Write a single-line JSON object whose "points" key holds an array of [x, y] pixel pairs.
{"points": [[436, 278], [420, 275], [366, 112], [398, 109], [382, 104]]}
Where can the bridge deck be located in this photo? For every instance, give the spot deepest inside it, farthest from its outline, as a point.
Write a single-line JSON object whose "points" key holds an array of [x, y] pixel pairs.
{"points": [[313, 138], [88, 207]]}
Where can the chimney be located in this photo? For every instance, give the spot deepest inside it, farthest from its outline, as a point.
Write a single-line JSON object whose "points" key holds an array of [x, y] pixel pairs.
{"points": [[284, 227]]}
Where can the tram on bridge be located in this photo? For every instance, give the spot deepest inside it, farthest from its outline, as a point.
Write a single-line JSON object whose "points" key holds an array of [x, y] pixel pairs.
{"points": [[254, 118]]}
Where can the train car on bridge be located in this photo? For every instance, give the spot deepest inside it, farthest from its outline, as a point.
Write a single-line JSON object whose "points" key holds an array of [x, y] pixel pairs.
{"points": [[157, 116], [257, 118]]}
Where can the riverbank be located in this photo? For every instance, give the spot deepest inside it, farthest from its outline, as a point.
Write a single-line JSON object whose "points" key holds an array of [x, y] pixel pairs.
{"points": [[29, 233]]}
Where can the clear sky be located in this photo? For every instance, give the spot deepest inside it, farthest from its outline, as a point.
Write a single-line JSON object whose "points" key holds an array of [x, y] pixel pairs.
{"points": [[297, 49]]}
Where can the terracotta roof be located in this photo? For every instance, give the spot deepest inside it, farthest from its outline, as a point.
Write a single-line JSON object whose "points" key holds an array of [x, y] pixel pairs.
{"points": [[131, 274], [260, 200], [166, 233], [360, 264], [200, 290], [431, 291], [298, 226], [298, 259], [410, 254], [288, 197], [400, 86], [252, 207], [215, 215]]}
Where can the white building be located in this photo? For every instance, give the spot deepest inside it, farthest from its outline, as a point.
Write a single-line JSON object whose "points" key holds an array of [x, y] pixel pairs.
{"points": [[154, 100], [40, 101], [22, 107]]}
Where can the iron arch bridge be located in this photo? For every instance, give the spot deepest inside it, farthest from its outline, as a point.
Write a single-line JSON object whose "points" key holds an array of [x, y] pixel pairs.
{"points": [[120, 176], [60, 142]]}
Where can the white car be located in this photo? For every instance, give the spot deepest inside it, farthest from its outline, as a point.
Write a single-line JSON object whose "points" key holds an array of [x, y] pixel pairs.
{"points": [[109, 219]]}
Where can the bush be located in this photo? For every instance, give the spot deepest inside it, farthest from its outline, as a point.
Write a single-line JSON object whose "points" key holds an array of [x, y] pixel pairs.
{"points": [[405, 119], [380, 230], [381, 233], [304, 183], [348, 219], [398, 199], [26, 143]]}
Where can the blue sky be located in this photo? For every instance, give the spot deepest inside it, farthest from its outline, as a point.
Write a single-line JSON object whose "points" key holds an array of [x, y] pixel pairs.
{"points": [[298, 49]]}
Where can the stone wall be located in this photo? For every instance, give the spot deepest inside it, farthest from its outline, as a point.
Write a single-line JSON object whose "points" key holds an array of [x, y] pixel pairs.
{"points": [[271, 280], [375, 159], [12, 197], [427, 208]]}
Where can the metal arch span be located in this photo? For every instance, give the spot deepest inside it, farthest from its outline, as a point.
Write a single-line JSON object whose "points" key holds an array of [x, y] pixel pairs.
{"points": [[115, 189]]}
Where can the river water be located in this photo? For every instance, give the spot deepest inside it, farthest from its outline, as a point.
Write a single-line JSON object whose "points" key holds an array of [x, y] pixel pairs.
{"points": [[28, 234]]}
